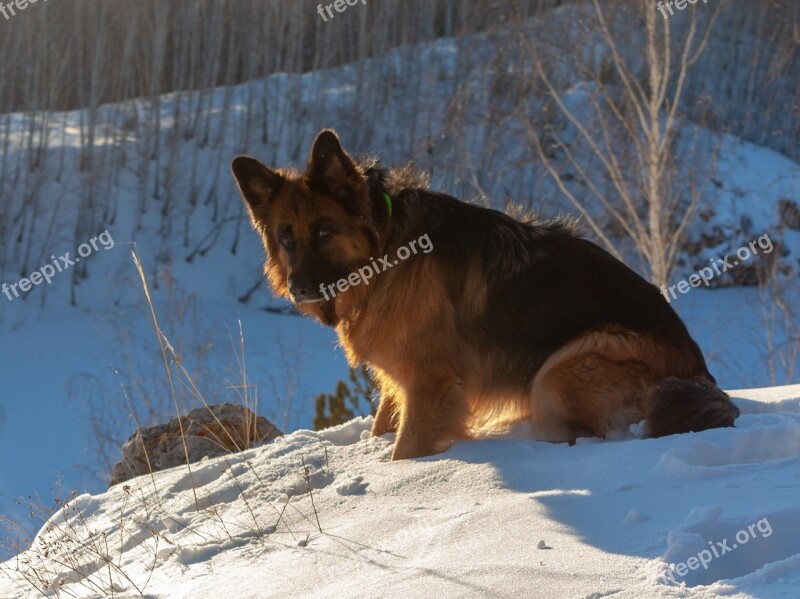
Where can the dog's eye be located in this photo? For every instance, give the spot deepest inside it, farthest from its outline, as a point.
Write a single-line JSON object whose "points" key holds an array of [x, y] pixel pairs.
{"points": [[286, 241], [323, 234]]}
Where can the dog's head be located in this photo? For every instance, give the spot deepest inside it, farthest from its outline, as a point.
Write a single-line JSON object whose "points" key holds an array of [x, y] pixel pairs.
{"points": [[317, 226]]}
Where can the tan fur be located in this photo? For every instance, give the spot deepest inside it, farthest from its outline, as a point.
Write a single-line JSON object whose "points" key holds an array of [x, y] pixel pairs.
{"points": [[599, 383]]}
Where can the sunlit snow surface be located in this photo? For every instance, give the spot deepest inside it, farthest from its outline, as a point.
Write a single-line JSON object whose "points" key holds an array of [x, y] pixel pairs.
{"points": [[612, 516]]}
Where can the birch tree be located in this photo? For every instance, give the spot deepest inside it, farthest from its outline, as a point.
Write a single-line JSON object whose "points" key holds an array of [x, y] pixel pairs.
{"points": [[634, 104]]}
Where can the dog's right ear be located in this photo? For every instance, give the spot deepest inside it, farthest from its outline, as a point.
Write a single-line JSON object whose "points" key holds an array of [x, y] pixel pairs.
{"points": [[257, 183]]}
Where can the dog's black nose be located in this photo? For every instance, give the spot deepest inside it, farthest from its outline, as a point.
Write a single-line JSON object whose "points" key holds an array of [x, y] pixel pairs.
{"points": [[303, 292]]}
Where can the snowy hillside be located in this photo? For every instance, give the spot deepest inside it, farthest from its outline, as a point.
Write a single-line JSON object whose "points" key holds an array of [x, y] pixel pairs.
{"points": [[494, 518], [168, 190]]}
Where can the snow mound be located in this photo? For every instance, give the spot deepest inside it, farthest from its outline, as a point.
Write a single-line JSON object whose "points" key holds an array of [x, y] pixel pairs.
{"points": [[327, 514]]}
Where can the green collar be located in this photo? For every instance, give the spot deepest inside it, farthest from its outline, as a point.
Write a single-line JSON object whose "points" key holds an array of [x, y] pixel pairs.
{"points": [[388, 199]]}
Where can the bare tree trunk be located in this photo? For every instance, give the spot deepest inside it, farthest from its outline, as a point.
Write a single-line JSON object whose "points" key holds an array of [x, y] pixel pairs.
{"points": [[628, 112]]}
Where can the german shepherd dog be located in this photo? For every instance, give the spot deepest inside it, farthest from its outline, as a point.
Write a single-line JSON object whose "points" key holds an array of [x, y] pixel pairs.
{"points": [[502, 321]]}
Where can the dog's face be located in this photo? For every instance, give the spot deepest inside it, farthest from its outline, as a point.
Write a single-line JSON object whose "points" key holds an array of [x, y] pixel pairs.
{"points": [[316, 225]]}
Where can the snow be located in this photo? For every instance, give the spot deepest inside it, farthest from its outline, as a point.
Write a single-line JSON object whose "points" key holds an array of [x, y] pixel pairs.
{"points": [[327, 514]]}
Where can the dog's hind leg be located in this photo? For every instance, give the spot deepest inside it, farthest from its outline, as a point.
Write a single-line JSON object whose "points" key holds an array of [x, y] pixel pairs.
{"points": [[588, 394]]}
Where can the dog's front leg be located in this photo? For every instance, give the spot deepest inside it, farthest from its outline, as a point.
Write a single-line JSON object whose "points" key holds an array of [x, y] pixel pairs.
{"points": [[433, 417], [386, 419]]}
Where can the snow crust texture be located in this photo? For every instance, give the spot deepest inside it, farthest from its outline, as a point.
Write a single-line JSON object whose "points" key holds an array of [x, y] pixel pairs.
{"points": [[327, 514]]}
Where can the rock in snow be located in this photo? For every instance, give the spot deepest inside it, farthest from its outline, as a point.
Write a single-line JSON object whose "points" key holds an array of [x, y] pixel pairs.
{"points": [[209, 432]]}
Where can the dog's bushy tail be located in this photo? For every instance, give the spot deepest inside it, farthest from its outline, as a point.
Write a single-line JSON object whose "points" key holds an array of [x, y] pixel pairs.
{"points": [[680, 406]]}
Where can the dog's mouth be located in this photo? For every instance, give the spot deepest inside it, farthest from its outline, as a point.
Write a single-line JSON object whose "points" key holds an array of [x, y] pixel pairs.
{"points": [[309, 300], [320, 308]]}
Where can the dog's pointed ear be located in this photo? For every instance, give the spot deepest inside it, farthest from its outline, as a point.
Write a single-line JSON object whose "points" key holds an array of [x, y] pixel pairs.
{"points": [[329, 166], [257, 183]]}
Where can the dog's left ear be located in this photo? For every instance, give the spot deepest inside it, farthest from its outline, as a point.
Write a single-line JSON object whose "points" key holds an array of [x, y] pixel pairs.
{"points": [[331, 170]]}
